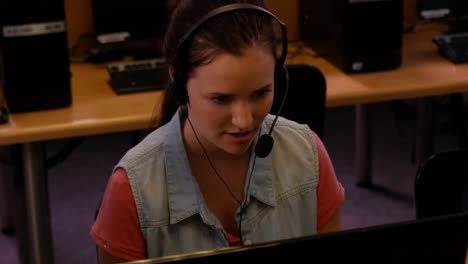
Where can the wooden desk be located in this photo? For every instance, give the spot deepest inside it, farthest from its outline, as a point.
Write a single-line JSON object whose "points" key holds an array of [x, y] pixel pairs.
{"points": [[97, 110], [423, 73]]}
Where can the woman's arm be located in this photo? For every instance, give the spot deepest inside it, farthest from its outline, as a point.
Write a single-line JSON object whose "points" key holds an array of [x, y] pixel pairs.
{"points": [[333, 225], [330, 192], [117, 231]]}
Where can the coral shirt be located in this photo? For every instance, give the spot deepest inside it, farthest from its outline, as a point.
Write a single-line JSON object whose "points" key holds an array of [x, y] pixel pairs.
{"points": [[118, 237]]}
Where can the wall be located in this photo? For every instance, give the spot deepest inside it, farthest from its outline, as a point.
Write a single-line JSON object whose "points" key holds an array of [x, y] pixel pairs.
{"points": [[79, 16], [287, 11], [79, 19], [410, 14]]}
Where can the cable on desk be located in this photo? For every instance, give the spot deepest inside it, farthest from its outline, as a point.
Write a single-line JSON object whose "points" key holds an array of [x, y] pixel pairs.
{"points": [[77, 52], [300, 48]]}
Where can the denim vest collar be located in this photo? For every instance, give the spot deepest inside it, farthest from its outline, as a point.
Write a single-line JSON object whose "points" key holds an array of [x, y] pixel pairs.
{"points": [[184, 196]]}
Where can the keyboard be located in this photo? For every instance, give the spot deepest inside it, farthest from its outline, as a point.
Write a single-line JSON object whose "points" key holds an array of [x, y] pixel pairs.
{"points": [[138, 75], [453, 46]]}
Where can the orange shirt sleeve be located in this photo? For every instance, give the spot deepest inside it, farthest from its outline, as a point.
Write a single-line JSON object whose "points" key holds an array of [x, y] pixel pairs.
{"points": [[330, 192], [117, 227]]}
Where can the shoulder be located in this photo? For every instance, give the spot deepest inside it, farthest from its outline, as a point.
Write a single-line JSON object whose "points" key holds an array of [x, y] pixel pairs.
{"points": [[283, 125], [294, 142], [294, 158], [291, 135], [150, 148]]}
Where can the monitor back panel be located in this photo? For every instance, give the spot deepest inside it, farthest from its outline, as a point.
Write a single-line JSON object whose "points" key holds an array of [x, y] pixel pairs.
{"points": [[433, 240]]}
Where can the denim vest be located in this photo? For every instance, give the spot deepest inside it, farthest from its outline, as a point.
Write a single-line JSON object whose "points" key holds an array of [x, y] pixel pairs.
{"points": [[280, 202]]}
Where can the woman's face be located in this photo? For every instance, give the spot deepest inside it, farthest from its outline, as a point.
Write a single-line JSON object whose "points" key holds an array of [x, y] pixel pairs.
{"points": [[229, 98]]}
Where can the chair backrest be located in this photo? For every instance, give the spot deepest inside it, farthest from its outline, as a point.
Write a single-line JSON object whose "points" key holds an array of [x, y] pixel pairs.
{"points": [[441, 184], [306, 99]]}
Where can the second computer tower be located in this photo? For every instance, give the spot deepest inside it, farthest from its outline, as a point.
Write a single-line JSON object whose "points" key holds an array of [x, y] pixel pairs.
{"points": [[34, 55], [354, 35]]}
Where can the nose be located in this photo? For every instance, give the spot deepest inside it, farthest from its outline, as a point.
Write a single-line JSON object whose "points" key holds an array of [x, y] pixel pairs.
{"points": [[242, 116]]}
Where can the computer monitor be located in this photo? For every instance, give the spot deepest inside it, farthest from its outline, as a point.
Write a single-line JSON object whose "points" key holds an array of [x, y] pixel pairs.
{"points": [[133, 26], [455, 12], [138, 19], [442, 239]]}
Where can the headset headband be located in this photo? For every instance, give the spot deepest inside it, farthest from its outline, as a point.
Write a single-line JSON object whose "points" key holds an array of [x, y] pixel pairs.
{"points": [[239, 6]]}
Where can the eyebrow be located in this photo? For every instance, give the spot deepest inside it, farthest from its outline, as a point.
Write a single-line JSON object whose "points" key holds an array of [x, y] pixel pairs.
{"points": [[228, 94]]}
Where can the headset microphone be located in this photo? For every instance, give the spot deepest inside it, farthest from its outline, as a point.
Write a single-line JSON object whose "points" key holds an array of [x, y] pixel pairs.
{"points": [[266, 141], [264, 145]]}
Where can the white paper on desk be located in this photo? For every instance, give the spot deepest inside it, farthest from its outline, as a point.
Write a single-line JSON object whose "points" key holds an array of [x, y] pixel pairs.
{"points": [[436, 13], [11, 31]]}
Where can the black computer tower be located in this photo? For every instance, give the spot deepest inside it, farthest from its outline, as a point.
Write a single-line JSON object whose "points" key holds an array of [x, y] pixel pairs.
{"points": [[354, 35], [34, 55]]}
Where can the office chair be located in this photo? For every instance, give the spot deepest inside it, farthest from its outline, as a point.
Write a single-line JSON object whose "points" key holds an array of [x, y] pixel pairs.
{"points": [[306, 99], [441, 184], [447, 114]]}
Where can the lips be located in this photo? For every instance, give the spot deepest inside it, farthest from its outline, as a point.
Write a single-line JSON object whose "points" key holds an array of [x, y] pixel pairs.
{"points": [[241, 137], [242, 134]]}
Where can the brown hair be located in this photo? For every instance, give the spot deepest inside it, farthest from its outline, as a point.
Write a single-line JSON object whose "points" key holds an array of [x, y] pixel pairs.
{"points": [[232, 32]]}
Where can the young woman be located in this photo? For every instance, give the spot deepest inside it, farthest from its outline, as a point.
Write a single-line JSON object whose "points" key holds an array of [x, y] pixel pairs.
{"points": [[196, 183]]}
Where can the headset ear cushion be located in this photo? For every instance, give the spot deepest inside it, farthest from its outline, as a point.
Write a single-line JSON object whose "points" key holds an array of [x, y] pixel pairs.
{"points": [[279, 75], [178, 92], [172, 84]]}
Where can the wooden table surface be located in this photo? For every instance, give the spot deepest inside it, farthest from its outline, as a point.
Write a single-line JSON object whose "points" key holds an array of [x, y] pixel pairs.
{"points": [[96, 109]]}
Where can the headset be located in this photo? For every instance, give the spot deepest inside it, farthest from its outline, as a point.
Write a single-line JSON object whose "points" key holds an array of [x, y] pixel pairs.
{"points": [[178, 80]]}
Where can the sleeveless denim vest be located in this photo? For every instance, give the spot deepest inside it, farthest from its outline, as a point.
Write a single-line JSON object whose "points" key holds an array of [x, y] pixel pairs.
{"points": [[280, 202]]}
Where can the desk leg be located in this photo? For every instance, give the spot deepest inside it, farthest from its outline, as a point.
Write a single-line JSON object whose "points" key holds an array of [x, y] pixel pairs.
{"points": [[363, 149], [424, 130], [37, 203], [7, 176]]}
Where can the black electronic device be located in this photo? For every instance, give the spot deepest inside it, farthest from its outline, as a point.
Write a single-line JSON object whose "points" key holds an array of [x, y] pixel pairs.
{"points": [[452, 44], [357, 35], [178, 82], [137, 26], [4, 115], [454, 12], [138, 75], [34, 53], [441, 239]]}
